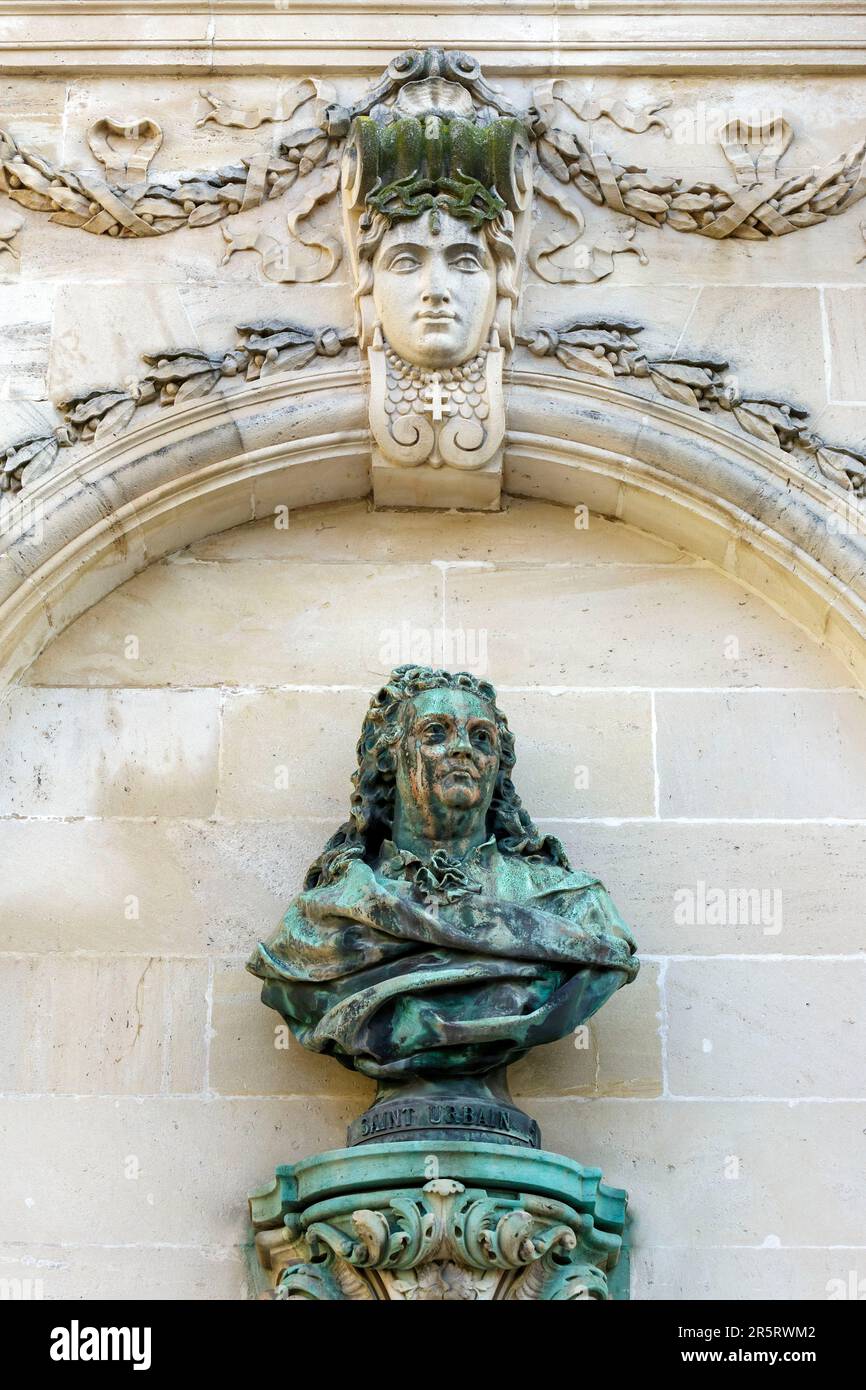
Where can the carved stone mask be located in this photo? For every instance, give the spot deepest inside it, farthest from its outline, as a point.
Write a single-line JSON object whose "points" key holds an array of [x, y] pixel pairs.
{"points": [[447, 759], [434, 289]]}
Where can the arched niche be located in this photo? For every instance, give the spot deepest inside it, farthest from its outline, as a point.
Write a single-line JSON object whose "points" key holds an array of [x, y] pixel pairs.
{"points": [[296, 441]]}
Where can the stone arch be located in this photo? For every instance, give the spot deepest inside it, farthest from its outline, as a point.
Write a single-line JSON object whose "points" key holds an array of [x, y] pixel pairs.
{"points": [[296, 441]]}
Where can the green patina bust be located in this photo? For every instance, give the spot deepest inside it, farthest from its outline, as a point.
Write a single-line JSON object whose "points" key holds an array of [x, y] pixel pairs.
{"points": [[439, 936]]}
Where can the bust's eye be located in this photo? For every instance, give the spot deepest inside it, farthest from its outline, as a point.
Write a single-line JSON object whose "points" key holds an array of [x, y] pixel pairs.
{"points": [[467, 262], [434, 733], [481, 738], [403, 263]]}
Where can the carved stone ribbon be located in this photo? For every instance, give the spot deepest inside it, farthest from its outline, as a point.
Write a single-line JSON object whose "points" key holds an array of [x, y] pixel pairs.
{"points": [[143, 138], [590, 261], [225, 113], [276, 264], [590, 109]]}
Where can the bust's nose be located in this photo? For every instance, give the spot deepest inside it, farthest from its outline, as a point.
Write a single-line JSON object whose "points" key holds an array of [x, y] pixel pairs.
{"points": [[436, 289], [460, 744]]}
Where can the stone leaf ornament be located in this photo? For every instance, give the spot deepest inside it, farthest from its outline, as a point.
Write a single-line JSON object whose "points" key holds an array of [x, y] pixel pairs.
{"points": [[597, 348], [175, 376], [154, 208], [609, 349], [34, 456], [762, 204], [437, 180], [10, 225]]}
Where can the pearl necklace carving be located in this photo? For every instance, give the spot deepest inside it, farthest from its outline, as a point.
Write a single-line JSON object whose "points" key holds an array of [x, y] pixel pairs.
{"points": [[413, 390]]}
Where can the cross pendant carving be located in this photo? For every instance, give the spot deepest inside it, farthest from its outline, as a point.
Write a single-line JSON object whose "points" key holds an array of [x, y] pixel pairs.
{"points": [[437, 401]]}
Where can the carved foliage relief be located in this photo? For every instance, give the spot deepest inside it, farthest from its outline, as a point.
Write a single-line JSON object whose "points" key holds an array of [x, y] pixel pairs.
{"points": [[445, 188]]}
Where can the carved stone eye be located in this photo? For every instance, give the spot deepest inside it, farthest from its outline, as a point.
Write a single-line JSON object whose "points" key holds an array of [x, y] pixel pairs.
{"points": [[403, 263], [467, 262]]}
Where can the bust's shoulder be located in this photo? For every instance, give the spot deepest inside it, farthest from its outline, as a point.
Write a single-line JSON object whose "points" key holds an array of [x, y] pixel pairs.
{"points": [[543, 875]]}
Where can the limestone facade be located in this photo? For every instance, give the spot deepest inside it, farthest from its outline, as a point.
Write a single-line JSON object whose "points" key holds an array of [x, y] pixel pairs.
{"points": [[195, 610]]}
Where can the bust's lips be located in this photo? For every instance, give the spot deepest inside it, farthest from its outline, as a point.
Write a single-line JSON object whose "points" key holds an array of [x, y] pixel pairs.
{"points": [[469, 773]]}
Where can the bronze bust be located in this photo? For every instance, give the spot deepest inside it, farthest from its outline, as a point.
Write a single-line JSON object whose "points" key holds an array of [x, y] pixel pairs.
{"points": [[439, 936]]}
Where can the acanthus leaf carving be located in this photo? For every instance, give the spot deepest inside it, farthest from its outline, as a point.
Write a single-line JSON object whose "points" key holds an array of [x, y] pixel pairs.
{"points": [[448, 1243]]}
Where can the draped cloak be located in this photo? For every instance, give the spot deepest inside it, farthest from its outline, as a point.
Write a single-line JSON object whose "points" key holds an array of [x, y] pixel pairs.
{"points": [[400, 976]]}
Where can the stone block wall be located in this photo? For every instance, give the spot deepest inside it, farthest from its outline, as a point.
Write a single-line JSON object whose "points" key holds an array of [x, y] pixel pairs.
{"points": [[178, 756]]}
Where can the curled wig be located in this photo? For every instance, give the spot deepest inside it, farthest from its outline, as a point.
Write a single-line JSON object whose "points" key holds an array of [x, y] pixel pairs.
{"points": [[374, 781]]}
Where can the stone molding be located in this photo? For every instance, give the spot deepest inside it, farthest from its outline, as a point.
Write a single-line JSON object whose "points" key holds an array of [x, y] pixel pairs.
{"points": [[492, 1224], [608, 36], [757, 8], [294, 441], [434, 357]]}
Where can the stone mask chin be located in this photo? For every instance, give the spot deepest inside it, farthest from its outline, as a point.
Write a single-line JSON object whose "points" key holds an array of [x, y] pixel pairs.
{"points": [[434, 289]]}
